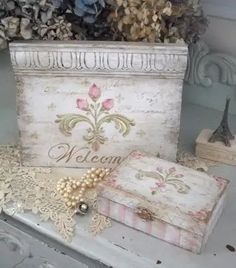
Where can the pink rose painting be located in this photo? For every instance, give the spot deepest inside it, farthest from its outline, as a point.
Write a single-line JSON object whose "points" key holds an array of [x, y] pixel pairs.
{"points": [[96, 115]]}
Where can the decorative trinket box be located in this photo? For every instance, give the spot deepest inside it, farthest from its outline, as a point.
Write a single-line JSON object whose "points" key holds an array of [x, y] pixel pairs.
{"points": [[163, 199], [83, 104]]}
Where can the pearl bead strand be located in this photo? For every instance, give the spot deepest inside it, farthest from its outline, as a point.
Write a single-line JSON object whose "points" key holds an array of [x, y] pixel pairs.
{"points": [[72, 191]]}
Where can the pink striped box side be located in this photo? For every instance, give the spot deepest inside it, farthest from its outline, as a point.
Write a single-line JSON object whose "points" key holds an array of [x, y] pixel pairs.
{"points": [[157, 228]]}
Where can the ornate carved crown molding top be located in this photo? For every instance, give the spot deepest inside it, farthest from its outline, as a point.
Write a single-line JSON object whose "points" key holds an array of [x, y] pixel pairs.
{"points": [[100, 58]]}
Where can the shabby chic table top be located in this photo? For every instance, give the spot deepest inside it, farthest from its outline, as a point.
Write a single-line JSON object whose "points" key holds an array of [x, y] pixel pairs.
{"points": [[121, 246]]}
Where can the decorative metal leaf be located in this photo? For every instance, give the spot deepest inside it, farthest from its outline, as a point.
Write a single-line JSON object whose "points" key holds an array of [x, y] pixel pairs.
{"points": [[68, 121], [122, 123]]}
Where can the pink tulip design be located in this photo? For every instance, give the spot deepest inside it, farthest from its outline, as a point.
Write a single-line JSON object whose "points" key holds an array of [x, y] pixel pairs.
{"points": [[107, 104], [82, 104], [94, 112], [94, 92]]}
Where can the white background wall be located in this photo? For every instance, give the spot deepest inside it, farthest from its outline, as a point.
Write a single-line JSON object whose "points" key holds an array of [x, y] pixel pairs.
{"points": [[220, 37], [7, 100], [221, 33]]}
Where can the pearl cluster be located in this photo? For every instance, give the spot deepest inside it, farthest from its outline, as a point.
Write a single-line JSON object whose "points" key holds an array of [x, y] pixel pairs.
{"points": [[73, 191]]}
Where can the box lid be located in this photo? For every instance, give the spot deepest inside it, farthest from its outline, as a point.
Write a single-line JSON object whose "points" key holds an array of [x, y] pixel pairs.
{"points": [[158, 189]]}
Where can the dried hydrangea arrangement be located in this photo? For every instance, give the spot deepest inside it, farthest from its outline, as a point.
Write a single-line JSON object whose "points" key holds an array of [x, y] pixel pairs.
{"points": [[87, 10], [31, 19], [158, 20], [127, 20]]}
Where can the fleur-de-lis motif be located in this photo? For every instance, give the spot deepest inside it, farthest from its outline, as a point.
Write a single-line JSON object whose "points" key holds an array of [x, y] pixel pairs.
{"points": [[97, 114], [164, 178]]}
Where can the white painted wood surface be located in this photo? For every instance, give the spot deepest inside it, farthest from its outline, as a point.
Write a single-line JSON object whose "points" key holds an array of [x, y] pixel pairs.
{"points": [[133, 91], [217, 8], [21, 250]]}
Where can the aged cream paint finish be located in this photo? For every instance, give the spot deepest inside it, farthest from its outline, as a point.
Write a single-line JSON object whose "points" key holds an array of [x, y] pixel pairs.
{"points": [[164, 199], [143, 80], [216, 151]]}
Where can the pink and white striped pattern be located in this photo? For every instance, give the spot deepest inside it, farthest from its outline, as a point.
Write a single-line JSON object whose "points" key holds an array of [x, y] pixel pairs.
{"points": [[157, 228], [184, 219]]}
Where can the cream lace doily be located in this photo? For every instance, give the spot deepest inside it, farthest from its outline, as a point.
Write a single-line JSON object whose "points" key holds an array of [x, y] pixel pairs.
{"points": [[191, 161], [34, 189]]}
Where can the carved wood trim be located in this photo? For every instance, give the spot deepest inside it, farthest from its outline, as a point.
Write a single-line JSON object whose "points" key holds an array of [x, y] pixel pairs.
{"points": [[100, 58]]}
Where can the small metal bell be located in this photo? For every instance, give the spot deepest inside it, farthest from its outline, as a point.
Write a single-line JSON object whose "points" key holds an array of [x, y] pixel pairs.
{"points": [[82, 209]]}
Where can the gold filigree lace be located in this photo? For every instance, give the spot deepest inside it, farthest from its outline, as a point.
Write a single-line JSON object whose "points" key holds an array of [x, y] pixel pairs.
{"points": [[34, 189]]}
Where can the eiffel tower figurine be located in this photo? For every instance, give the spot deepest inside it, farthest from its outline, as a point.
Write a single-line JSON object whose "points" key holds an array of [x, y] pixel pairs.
{"points": [[223, 133]]}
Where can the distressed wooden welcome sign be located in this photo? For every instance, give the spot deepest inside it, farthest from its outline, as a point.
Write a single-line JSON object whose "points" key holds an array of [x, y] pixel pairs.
{"points": [[91, 103]]}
